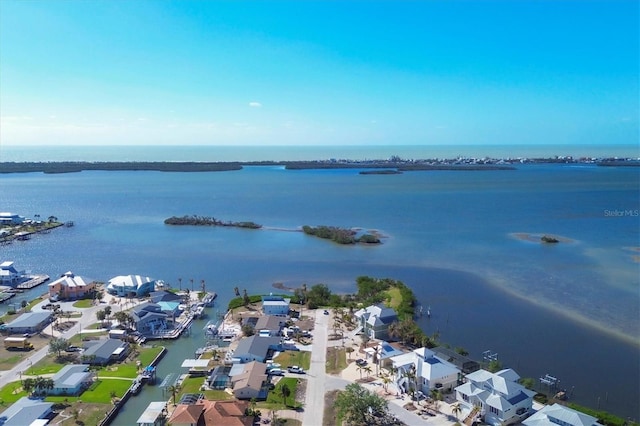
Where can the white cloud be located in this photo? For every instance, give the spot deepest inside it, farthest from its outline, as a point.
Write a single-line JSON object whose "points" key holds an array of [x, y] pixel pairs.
{"points": [[255, 104]]}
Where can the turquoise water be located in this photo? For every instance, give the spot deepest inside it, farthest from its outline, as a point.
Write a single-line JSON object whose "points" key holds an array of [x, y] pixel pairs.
{"points": [[558, 309]]}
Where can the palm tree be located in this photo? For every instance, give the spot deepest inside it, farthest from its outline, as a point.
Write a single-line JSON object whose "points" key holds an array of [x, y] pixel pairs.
{"points": [[28, 384], [180, 283], [174, 389], [456, 409], [385, 382], [285, 392], [368, 370], [349, 349], [360, 368]]}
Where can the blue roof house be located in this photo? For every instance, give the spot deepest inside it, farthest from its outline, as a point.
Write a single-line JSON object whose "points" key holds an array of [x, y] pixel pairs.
{"points": [[26, 411], [73, 379]]}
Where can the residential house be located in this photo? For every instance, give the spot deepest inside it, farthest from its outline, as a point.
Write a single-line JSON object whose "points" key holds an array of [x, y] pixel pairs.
{"points": [[71, 287], [275, 305], [104, 351], [219, 377], [7, 218], [250, 383], [425, 371], [375, 320], [148, 318], [384, 352], [502, 400], [27, 411], [30, 322], [9, 275], [131, 286], [165, 296], [266, 325], [255, 348], [211, 413], [556, 414], [467, 365], [73, 379]]}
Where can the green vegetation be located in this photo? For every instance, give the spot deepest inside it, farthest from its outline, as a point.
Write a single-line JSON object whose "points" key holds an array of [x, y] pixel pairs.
{"points": [[289, 358], [358, 406], [336, 360], [603, 417], [84, 303], [208, 221], [339, 235], [277, 399]]}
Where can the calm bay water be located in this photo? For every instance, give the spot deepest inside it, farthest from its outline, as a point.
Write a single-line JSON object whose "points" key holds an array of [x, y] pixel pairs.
{"points": [[567, 310]]}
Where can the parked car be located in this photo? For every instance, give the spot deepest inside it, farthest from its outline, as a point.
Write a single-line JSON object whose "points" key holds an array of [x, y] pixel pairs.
{"points": [[295, 369], [326, 312], [276, 372], [361, 362]]}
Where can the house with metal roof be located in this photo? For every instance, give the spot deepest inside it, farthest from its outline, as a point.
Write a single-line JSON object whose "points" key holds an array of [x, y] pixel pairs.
{"points": [[502, 398], [467, 365], [250, 383], [71, 287], [73, 379], [9, 275], [104, 351], [375, 320], [148, 318], [431, 372], [556, 414], [29, 322], [255, 348], [154, 415], [131, 286], [275, 305], [8, 218], [26, 411]]}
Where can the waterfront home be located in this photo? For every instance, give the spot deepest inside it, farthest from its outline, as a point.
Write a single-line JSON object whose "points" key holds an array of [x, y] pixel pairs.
{"points": [[467, 365], [105, 351], [374, 321], [423, 370], [266, 325], [7, 218], [165, 296], [384, 352], [211, 413], [154, 415], [72, 380], [219, 377], [71, 287], [27, 411], [148, 318], [502, 400], [255, 348], [275, 305], [250, 382], [9, 275], [131, 286], [30, 322], [556, 414]]}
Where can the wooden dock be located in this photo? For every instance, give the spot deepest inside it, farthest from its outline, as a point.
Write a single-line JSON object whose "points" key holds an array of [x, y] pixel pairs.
{"points": [[34, 281]]}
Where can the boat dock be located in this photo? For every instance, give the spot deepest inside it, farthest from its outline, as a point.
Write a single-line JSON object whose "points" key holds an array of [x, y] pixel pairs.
{"points": [[33, 281]]}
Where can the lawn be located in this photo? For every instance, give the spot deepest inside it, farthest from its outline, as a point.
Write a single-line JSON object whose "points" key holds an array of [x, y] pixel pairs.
{"points": [[191, 385], [336, 360], [275, 400], [84, 303], [394, 297], [47, 365], [11, 392], [299, 358]]}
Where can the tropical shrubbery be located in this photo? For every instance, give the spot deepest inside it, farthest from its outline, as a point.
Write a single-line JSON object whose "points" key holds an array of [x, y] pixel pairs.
{"points": [[339, 235]]}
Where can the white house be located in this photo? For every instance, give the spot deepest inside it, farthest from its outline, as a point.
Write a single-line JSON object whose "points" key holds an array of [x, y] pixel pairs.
{"points": [[7, 218], [375, 320], [556, 414], [431, 372], [9, 275], [502, 400], [131, 286], [275, 305]]}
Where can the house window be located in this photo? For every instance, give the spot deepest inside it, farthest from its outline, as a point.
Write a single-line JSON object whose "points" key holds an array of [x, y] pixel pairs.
{"points": [[494, 410], [465, 397]]}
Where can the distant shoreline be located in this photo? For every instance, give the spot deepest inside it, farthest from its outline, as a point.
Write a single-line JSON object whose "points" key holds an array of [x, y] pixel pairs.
{"points": [[391, 166]]}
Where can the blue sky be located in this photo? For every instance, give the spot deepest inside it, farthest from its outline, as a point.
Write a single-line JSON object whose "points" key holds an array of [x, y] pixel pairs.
{"points": [[313, 73]]}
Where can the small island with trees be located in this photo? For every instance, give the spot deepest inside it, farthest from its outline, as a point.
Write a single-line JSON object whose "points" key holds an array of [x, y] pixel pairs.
{"points": [[340, 235], [195, 220]]}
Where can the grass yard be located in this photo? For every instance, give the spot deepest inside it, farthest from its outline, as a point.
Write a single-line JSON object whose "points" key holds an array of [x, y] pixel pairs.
{"points": [[394, 297], [275, 400], [10, 393], [299, 358], [88, 414], [336, 360], [47, 365], [191, 385], [84, 303]]}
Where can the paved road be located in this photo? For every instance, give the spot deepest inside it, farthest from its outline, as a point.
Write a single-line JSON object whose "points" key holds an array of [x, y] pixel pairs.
{"points": [[316, 376]]}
